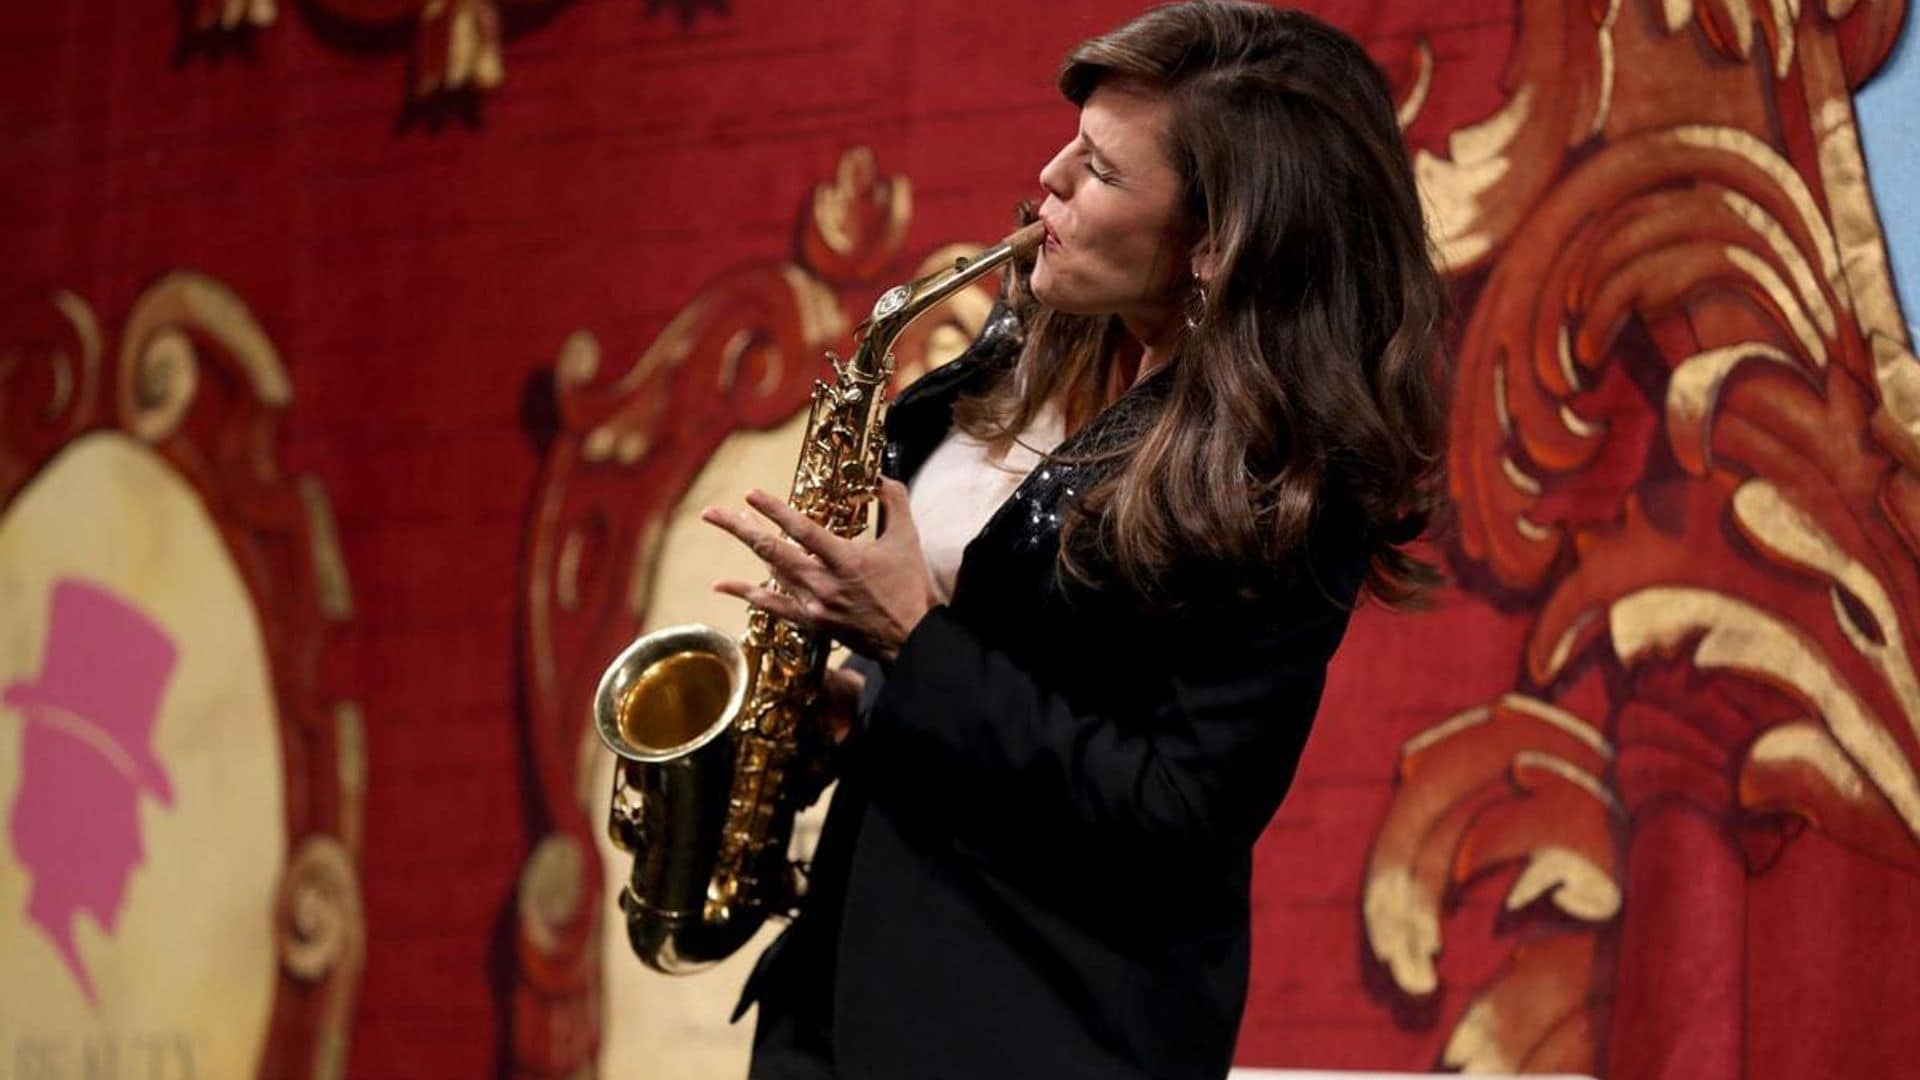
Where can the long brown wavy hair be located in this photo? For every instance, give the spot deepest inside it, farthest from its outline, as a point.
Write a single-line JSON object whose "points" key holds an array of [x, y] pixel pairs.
{"points": [[1316, 365]]}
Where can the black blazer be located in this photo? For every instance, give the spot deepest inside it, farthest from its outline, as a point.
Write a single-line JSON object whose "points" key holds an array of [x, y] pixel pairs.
{"points": [[1038, 860]]}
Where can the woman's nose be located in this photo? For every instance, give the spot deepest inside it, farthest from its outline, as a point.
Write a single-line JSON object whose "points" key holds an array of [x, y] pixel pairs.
{"points": [[1055, 177]]}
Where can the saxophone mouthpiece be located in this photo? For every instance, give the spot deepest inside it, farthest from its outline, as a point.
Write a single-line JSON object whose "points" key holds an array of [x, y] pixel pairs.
{"points": [[1026, 238]]}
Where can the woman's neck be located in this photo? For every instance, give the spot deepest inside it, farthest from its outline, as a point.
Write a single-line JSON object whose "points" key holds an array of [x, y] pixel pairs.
{"points": [[1144, 349], [1141, 347], [1149, 341]]}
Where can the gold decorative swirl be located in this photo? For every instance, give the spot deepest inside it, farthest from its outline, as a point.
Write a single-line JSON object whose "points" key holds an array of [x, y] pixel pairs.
{"points": [[321, 928], [859, 217], [1733, 634], [329, 565], [1603, 54], [579, 359], [234, 14], [350, 764], [1694, 390], [1812, 746], [1579, 887], [1522, 481], [552, 888], [1793, 308], [1785, 530], [566, 572], [1798, 769], [159, 365], [1730, 26], [1403, 927], [1515, 782], [163, 382], [1897, 370], [1408, 110], [1787, 255], [1863, 259], [1786, 181], [189, 299], [1564, 71], [86, 327], [820, 316], [1452, 186], [1546, 712], [1535, 1017], [470, 54]]}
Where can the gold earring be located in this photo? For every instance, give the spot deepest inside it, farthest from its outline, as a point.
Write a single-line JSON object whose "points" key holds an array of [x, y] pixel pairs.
{"points": [[1196, 308]]}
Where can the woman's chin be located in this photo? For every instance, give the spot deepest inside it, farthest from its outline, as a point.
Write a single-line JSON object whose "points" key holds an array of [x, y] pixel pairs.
{"points": [[1048, 291], [1067, 305], [1040, 282]]}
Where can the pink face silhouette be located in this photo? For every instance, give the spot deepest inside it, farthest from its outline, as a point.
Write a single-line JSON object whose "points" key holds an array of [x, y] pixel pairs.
{"points": [[86, 756]]}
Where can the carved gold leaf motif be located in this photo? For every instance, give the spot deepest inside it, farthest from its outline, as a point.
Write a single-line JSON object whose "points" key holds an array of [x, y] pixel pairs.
{"points": [[1687, 440]]}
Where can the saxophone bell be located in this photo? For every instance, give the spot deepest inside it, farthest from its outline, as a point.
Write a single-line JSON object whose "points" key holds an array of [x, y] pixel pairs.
{"points": [[667, 707], [668, 691]]}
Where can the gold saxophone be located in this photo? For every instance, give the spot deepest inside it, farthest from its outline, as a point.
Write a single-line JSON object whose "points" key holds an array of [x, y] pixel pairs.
{"points": [[716, 749]]}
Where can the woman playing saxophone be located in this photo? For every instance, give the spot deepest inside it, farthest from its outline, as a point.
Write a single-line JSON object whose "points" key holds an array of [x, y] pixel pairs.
{"points": [[1121, 542]]}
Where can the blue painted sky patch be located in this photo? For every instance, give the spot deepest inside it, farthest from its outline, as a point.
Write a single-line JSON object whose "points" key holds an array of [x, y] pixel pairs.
{"points": [[1889, 111]]}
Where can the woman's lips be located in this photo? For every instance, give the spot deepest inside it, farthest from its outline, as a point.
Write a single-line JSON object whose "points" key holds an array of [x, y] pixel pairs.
{"points": [[1053, 238]]}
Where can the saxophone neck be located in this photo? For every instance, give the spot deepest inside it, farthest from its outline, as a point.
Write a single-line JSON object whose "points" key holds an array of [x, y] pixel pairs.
{"points": [[899, 306]]}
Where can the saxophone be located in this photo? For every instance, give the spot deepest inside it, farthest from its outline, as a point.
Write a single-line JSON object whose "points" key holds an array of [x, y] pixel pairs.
{"points": [[717, 750]]}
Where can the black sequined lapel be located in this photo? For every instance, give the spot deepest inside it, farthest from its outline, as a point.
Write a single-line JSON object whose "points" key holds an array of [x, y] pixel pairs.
{"points": [[1026, 528]]}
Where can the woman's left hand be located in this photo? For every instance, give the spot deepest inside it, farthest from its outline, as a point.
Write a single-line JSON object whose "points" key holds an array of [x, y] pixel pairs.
{"points": [[869, 594]]}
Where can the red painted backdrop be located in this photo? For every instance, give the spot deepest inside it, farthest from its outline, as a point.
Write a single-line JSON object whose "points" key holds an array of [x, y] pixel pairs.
{"points": [[420, 257]]}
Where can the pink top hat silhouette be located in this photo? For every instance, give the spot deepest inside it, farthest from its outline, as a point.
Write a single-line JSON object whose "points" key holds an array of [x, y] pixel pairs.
{"points": [[105, 668]]}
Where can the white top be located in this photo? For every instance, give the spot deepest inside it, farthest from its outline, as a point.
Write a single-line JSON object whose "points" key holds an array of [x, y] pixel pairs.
{"points": [[963, 483]]}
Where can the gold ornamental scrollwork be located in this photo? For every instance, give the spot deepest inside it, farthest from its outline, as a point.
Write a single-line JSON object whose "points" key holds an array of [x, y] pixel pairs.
{"points": [[323, 940], [51, 365], [159, 361], [553, 887], [321, 925], [1685, 443], [458, 45]]}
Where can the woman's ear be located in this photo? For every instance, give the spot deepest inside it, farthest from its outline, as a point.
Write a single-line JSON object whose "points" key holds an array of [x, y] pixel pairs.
{"points": [[1205, 261]]}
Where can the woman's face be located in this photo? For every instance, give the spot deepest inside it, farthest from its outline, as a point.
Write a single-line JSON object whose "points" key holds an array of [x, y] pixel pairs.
{"points": [[1116, 243]]}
